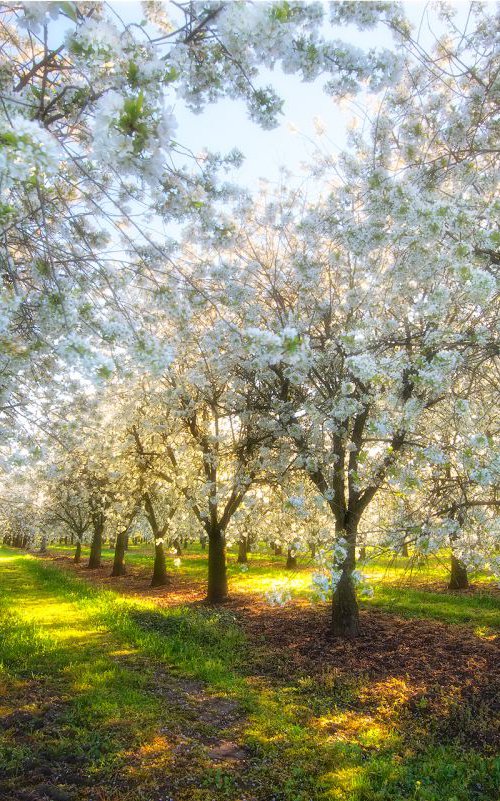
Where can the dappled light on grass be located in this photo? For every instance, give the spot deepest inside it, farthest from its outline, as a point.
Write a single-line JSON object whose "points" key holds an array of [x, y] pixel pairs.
{"points": [[389, 695], [354, 727], [152, 755], [400, 587], [486, 633], [141, 696]]}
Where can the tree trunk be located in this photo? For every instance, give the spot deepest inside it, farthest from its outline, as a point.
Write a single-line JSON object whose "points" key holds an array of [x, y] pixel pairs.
{"points": [[291, 561], [119, 559], [43, 546], [458, 577], [312, 548], [78, 552], [404, 549], [278, 550], [178, 546], [96, 544], [362, 552], [203, 541], [217, 571], [243, 551], [126, 541], [160, 576], [345, 612]]}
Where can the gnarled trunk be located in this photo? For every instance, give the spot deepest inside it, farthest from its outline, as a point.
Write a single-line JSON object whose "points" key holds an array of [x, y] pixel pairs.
{"points": [[242, 551], [217, 571], [119, 558], [345, 611], [458, 576], [291, 560], [160, 576], [96, 544]]}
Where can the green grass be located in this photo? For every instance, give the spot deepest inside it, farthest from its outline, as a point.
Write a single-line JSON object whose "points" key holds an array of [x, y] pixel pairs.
{"points": [[482, 611], [116, 683], [99, 656], [399, 584]]}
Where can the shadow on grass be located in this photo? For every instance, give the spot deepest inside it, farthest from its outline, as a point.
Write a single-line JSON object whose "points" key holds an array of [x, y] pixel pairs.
{"points": [[345, 722]]}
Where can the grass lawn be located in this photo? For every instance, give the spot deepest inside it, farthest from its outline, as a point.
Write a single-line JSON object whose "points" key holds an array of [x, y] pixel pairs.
{"points": [[402, 586], [112, 696]]}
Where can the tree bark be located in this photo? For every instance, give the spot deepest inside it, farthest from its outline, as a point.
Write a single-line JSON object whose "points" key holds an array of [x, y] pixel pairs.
{"points": [[178, 546], [345, 611], [119, 558], [96, 544], [78, 552], [404, 549], [243, 551], [291, 561], [362, 552], [217, 570], [278, 550], [43, 546], [458, 576], [160, 576]]}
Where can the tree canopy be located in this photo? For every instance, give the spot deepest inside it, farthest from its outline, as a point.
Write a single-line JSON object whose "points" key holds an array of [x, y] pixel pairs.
{"points": [[319, 367]]}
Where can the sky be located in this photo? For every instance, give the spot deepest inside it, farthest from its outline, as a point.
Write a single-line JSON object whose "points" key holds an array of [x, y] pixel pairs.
{"points": [[225, 125]]}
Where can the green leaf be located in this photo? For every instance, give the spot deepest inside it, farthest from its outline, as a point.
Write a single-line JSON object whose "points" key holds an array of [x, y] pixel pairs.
{"points": [[69, 9]]}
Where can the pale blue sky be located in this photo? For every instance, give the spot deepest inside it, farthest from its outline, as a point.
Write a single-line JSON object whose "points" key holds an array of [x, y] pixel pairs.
{"points": [[225, 125]]}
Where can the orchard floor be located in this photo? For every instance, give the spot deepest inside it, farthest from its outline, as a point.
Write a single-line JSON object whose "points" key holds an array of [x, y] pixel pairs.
{"points": [[112, 691]]}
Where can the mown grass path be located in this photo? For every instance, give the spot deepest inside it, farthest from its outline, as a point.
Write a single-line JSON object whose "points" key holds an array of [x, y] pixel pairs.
{"points": [[108, 697], [91, 707]]}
